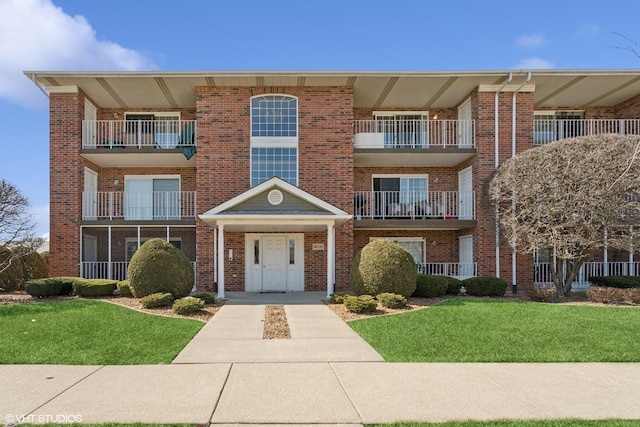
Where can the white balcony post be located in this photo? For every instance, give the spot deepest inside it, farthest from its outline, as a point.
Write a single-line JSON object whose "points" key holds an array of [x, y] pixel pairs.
{"points": [[331, 248], [220, 261], [109, 272]]}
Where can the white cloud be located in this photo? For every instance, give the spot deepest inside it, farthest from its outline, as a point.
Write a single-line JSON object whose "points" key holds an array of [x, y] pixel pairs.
{"points": [[535, 64], [531, 40], [36, 35]]}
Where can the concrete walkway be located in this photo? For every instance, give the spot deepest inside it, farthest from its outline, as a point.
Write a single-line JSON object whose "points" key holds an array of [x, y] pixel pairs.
{"points": [[217, 380]]}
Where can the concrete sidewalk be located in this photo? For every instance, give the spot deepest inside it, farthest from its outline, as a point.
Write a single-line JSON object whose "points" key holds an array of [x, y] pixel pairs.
{"points": [[324, 374]]}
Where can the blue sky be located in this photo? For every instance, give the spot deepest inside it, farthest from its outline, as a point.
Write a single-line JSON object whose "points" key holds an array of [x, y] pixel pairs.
{"points": [[196, 35]]}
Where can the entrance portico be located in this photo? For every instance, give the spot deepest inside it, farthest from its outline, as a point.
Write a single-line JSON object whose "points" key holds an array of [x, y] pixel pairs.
{"points": [[274, 216]]}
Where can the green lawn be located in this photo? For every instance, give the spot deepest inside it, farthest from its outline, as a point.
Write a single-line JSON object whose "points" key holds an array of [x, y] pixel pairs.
{"points": [[475, 330], [83, 332], [544, 423]]}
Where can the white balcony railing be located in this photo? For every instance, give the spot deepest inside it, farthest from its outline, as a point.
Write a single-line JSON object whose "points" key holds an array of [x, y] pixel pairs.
{"points": [[156, 205], [115, 270], [549, 130], [414, 133], [458, 270], [542, 272], [414, 205], [162, 134]]}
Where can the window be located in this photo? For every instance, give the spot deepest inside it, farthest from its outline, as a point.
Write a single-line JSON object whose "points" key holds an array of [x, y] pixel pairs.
{"points": [[274, 138], [131, 244], [152, 198], [274, 116], [549, 126], [403, 130], [400, 196], [414, 245]]}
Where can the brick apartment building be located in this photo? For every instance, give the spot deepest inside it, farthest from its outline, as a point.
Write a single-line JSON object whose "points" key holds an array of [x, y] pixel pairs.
{"points": [[272, 181]]}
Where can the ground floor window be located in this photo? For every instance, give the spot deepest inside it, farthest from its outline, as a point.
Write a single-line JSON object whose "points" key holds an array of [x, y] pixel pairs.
{"points": [[414, 245]]}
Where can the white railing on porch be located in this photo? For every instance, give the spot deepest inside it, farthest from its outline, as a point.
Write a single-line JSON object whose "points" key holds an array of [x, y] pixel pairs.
{"points": [[162, 134], [115, 270], [549, 130], [414, 133], [155, 205], [414, 205], [542, 272], [452, 269]]}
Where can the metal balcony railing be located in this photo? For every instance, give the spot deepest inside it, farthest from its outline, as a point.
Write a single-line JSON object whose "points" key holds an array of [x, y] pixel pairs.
{"points": [[155, 205], [542, 272], [161, 134], [414, 205], [452, 269], [414, 133], [549, 130]]}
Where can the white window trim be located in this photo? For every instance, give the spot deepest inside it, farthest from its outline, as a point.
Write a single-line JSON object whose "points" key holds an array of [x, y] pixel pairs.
{"points": [[407, 239], [424, 176], [401, 113], [154, 113], [178, 177], [275, 141]]}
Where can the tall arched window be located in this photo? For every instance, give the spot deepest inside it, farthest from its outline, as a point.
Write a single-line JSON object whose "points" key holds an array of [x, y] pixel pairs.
{"points": [[274, 138]]}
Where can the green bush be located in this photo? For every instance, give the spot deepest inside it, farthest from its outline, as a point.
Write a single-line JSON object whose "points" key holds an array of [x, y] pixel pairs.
{"points": [[94, 287], [390, 300], [616, 281], [188, 305], [123, 288], [207, 297], [453, 285], [158, 266], [428, 286], [39, 288], [360, 303], [383, 266], [34, 266], [66, 284], [159, 299], [338, 298], [12, 278], [485, 286]]}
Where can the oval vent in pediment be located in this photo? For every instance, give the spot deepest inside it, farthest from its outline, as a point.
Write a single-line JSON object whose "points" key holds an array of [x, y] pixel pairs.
{"points": [[275, 197]]}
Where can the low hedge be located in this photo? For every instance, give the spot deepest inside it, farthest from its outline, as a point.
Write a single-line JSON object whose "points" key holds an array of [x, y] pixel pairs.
{"points": [[94, 287], [205, 296], [485, 286], [428, 286], [360, 304], [49, 287], [453, 285], [123, 288], [390, 300], [611, 295], [621, 282], [159, 299], [188, 305], [338, 298]]}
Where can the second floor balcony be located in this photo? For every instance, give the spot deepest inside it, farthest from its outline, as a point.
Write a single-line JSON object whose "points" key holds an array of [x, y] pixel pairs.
{"points": [[413, 142], [111, 143], [135, 206], [376, 207], [549, 130]]}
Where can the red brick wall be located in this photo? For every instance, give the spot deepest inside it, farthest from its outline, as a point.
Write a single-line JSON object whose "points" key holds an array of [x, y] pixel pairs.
{"points": [[325, 165], [66, 178]]}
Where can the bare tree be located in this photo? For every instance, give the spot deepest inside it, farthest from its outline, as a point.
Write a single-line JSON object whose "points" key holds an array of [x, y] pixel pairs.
{"points": [[572, 197], [17, 228]]}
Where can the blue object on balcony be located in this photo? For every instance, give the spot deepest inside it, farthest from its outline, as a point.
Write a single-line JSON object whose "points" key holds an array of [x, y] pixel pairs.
{"points": [[188, 134], [167, 139], [188, 152]]}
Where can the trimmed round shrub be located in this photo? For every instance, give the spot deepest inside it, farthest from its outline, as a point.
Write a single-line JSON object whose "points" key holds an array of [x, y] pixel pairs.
{"points": [[12, 278], [338, 298], [123, 288], [159, 299], [428, 286], [158, 266], [383, 266], [39, 288], [389, 300], [205, 296], [485, 286], [34, 266], [188, 305], [360, 303], [621, 282], [453, 285], [94, 287]]}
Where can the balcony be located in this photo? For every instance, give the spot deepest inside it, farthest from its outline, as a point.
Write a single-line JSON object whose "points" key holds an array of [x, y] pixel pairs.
{"points": [[413, 142], [452, 269], [542, 272], [117, 270], [549, 130], [110, 143], [414, 209], [149, 206]]}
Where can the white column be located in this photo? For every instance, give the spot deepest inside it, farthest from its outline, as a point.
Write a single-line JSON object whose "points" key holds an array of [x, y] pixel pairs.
{"points": [[331, 256], [220, 261], [109, 266]]}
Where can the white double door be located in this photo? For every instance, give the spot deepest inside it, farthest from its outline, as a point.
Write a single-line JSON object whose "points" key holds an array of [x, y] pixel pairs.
{"points": [[274, 262]]}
